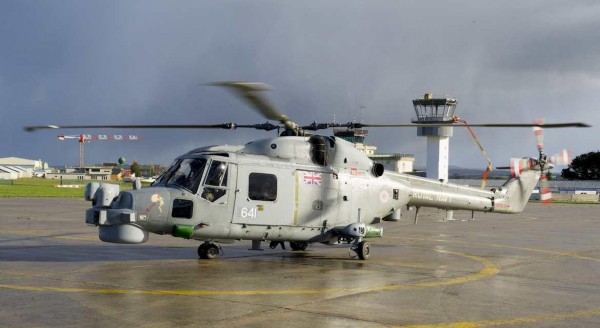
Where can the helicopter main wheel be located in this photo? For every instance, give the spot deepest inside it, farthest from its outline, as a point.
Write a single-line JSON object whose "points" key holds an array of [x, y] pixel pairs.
{"points": [[363, 250], [298, 245], [208, 251]]}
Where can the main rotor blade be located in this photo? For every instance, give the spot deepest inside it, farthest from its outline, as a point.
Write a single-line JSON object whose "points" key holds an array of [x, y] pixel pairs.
{"points": [[486, 125], [148, 126], [250, 92], [231, 126]]}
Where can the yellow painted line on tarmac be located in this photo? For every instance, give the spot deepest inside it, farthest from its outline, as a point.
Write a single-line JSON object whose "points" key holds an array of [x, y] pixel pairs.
{"points": [[530, 218], [488, 269], [533, 320]]}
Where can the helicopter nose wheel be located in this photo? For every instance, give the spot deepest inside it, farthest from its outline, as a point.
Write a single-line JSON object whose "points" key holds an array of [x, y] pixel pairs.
{"points": [[362, 249], [209, 251]]}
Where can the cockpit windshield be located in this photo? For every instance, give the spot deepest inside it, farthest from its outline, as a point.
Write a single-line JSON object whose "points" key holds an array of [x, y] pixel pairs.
{"points": [[186, 173]]}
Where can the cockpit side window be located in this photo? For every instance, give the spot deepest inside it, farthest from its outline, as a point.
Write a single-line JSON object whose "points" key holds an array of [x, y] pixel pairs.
{"points": [[163, 178], [187, 174], [216, 174], [216, 181]]}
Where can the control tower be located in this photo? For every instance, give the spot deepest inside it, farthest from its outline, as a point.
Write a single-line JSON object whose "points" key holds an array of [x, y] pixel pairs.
{"points": [[436, 110]]}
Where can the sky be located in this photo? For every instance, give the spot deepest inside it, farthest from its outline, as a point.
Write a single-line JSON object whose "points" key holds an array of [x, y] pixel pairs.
{"points": [[79, 62]]}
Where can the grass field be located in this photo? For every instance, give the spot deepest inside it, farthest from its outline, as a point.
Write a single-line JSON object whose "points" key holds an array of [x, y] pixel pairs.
{"points": [[38, 187]]}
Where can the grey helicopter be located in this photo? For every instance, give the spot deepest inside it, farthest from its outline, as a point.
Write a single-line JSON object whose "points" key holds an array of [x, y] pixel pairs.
{"points": [[299, 187]]}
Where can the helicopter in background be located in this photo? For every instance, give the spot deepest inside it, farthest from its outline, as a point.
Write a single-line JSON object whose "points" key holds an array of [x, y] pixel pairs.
{"points": [[299, 188]]}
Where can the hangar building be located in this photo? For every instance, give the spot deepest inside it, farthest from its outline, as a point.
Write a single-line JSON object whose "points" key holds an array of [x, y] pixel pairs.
{"points": [[15, 167]]}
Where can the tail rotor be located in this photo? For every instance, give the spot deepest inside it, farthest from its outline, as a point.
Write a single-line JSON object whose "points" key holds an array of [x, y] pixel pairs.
{"points": [[543, 163]]}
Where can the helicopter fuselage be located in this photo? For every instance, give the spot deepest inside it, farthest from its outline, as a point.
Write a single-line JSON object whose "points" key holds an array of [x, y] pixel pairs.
{"points": [[298, 189]]}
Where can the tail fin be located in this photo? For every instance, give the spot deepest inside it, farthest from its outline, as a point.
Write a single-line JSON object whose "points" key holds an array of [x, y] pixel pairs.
{"points": [[513, 196]]}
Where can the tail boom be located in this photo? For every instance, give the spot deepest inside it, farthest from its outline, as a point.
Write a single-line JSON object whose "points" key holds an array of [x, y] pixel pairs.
{"points": [[512, 197]]}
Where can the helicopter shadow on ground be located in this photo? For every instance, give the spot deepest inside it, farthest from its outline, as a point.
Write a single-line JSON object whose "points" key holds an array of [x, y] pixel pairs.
{"points": [[93, 253], [47, 249], [103, 252]]}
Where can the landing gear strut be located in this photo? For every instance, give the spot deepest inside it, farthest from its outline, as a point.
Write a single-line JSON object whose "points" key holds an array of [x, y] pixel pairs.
{"points": [[208, 250], [298, 245]]}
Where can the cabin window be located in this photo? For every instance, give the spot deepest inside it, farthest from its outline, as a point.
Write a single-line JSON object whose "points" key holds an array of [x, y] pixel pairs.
{"points": [[183, 208], [216, 181], [262, 186]]}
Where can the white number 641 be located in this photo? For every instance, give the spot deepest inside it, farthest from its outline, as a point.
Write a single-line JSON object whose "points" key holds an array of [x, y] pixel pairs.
{"points": [[248, 212]]}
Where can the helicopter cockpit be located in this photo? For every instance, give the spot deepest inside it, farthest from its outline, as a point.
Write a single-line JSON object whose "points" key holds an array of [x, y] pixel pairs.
{"points": [[185, 173]]}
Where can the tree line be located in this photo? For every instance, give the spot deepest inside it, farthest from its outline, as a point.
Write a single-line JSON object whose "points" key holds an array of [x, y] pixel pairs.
{"points": [[583, 167]]}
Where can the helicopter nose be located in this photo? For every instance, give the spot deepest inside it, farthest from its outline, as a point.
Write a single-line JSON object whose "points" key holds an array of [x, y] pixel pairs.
{"points": [[125, 217], [117, 221]]}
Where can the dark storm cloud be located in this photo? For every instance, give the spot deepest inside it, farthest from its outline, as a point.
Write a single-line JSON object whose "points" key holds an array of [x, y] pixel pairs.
{"points": [[118, 62]]}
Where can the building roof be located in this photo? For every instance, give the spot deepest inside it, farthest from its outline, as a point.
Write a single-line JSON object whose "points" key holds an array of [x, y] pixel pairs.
{"points": [[392, 156], [12, 169], [18, 161]]}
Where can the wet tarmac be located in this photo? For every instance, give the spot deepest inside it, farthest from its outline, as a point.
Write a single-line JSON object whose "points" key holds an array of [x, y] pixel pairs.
{"points": [[540, 268]]}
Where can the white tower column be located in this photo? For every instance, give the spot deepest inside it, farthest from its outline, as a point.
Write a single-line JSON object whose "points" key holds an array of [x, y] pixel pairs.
{"points": [[437, 157]]}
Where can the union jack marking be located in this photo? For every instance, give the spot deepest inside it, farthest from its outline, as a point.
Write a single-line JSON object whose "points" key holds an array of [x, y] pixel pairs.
{"points": [[312, 178]]}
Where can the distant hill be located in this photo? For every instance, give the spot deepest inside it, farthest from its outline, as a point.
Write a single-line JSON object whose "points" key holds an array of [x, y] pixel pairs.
{"points": [[456, 172]]}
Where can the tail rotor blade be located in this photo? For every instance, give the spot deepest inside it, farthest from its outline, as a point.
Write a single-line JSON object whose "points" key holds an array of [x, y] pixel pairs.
{"points": [[539, 134], [545, 194], [561, 158], [515, 167], [520, 165]]}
